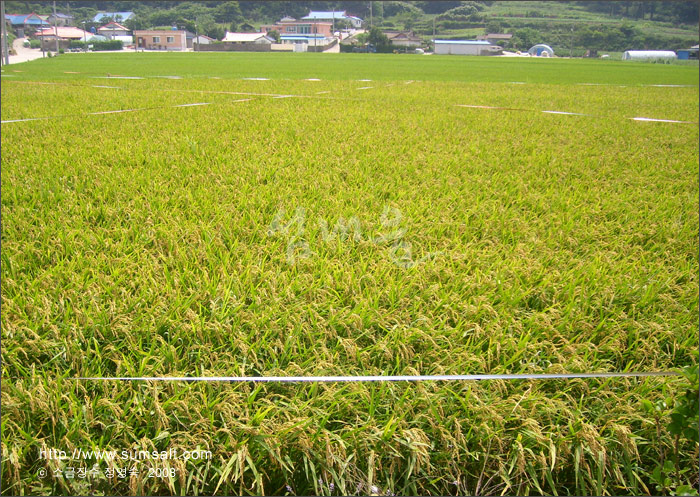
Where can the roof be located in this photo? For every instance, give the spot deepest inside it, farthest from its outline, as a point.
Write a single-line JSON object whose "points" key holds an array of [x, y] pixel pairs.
{"points": [[462, 42], [65, 32], [302, 37], [401, 35], [287, 19], [21, 19], [62, 16], [124, 15], [318, 14], [159, 31], [649, 53], [114, 25], [244, 37]]}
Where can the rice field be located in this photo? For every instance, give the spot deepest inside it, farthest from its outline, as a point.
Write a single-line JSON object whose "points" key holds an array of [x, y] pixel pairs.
{"points": [[339, 215]]}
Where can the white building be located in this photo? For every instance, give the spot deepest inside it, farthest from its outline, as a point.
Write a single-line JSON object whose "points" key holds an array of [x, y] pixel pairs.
{"points": [[466, 47], [116, 31], [648, 55], [260, 38], [204, 40]]}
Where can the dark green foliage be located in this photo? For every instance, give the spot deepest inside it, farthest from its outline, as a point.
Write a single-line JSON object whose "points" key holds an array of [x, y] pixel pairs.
{"points": [[98, 46], [275, 34], [379, 40]]}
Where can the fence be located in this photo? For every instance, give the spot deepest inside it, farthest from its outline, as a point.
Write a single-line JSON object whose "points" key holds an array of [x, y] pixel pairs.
{"points": [[233, 47]]}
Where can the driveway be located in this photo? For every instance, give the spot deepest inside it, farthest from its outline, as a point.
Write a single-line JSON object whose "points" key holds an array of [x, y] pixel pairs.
{"points": [[23, 54]]}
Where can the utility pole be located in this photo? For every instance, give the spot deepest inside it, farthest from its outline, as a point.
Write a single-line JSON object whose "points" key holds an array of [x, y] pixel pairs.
{"points": [[5, 48], [370, 15], [55, 29], [571, 43]]}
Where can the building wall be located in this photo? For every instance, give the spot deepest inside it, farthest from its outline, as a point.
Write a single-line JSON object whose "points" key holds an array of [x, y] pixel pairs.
{"points": [[145, 40], [111, 33], [234, 47], [457, 49], [406, 43], [300, 27], [49, 44]]}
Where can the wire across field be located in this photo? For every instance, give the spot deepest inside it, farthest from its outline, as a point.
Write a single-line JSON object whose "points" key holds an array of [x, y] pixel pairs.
{"points": [[224, 216]]}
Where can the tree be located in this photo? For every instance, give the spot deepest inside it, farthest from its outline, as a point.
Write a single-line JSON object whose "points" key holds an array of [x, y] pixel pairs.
{"points": [[228, 12], [526, 37], [135, 23], [410, 21], [493, 27], [379, 40], [437, 7], [275, 34], [185, 24], [378, 8]]}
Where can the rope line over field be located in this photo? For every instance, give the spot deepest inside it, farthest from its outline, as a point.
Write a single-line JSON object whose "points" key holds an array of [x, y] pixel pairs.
{"points": [[365, 379], [560, 112]]}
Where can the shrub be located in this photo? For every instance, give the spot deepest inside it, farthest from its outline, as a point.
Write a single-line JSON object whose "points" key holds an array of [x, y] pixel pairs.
{"points": [[107, 45], [34, 44]]}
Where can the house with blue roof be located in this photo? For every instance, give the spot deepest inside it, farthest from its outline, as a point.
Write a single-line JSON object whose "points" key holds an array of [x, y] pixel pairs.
{"points": [[332, 16], [28, 23], [103, 17]]}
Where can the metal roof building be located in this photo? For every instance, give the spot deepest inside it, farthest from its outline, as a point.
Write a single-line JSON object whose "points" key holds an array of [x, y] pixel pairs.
{"points": [[648, 55], [465, 47], [26, 20]]}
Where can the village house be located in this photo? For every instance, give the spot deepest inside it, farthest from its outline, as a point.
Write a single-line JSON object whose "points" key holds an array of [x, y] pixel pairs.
{"points": [[404, 39], [65, 35], [289, 26], [332, 17], [203, 40], [61, 19], [25, 24], [163, 39]]}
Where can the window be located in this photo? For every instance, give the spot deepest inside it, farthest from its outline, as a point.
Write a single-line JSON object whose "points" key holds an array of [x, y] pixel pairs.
{"points": [[170, 39], [291, 29], [304, 29], [156, 39]]}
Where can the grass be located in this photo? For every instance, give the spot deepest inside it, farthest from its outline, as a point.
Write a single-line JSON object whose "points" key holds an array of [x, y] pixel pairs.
{"points": [[145, 243]]}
